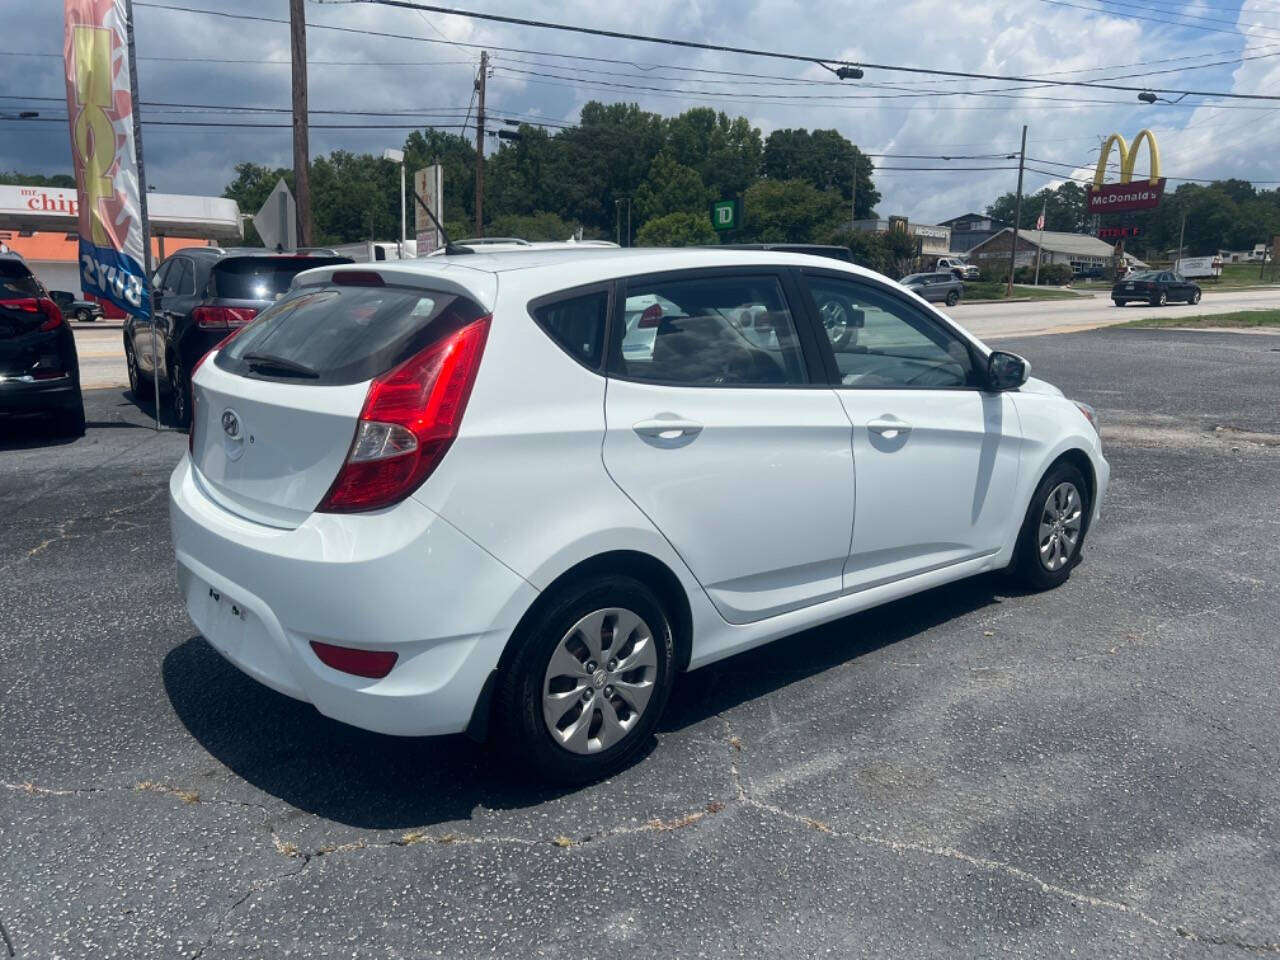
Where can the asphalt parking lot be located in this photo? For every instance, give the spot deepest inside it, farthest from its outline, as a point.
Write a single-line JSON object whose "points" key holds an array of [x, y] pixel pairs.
{"points": [[969, 772]]}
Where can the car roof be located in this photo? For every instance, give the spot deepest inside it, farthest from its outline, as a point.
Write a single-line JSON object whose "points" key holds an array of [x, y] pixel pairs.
{"points": [[218, 253]]}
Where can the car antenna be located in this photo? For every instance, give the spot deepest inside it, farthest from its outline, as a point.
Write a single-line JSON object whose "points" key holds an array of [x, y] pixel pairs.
{"points": [[450, 247]]}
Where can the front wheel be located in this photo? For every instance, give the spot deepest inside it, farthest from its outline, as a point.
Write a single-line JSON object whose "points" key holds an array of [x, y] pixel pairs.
{"points": [[83, 315], [1053, 529], [587, 683], [953, 298], [180, 394], [1160, 299], [1195, 297]]}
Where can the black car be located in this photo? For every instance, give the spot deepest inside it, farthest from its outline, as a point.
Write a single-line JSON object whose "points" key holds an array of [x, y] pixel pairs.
{"points": [[75, 308], [201, 295], [1156, 287], [39, 369]]}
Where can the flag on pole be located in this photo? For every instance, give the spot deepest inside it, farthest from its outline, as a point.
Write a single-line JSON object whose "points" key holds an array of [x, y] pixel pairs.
{"points": [[1040, 222], [103, 153]]}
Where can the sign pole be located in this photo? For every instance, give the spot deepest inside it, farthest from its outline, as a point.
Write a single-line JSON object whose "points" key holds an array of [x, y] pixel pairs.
{"points": [[142, 205]]}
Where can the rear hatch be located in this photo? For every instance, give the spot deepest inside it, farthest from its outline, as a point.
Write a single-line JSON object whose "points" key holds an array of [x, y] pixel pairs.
{"points": [[277, 408], [249, 283], [25, 348]]}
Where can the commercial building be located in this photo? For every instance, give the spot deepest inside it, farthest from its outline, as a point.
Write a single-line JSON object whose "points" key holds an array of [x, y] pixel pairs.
{"points": [[1086, 254], [970, 229], [932, 240]]}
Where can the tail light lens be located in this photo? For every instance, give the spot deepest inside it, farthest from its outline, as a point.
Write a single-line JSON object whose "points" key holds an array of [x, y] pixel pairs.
{"points": [[52, 314], [191, 385], [222, 318], [410, 418], [651, 317]]}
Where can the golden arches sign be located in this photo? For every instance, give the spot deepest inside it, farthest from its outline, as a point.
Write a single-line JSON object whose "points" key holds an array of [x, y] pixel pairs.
{"points": [[1126, 195]]}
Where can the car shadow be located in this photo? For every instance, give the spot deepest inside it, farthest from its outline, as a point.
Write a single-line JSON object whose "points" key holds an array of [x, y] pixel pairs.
{"points": [[30, 432], [146, 406], [286, 748]]}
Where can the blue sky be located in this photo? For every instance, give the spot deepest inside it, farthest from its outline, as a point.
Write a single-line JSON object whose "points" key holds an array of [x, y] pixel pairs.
{"points": [[1079, 39]]}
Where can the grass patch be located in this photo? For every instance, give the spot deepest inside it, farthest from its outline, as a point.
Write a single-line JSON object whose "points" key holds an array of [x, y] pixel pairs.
{"points": [[1242, 318], [985, 290]]}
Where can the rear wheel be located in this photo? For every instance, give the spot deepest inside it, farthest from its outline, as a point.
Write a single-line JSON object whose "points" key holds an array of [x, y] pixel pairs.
{"points": [[179, 393], [1160, 299], [83, 315], [588, 681], [1118, 303], [1053, 530], [135, 378], [953, 298], [71, 420]]}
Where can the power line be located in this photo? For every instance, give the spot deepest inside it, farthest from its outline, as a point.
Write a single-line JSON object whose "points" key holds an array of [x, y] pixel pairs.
{"points": [[801, 58], [1135, 16], [1189, 16]]}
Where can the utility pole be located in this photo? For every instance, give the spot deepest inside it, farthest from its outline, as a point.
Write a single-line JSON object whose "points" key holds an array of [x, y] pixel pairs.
{"points": [[301, 151], [853, 195], [484, 71], [1017, 213], [617, 222], [1182, 232]]}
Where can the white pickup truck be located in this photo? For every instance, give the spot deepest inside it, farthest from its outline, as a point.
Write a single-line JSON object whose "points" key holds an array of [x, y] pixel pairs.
{"points": [[961, 269]]}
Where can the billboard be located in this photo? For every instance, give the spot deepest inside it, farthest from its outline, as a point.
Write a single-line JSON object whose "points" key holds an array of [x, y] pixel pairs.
{"points": [[103, 154], [428, 183], [1128, 194]]}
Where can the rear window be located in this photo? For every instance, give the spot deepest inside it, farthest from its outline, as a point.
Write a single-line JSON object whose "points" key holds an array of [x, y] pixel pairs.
{"points": [[332, 335], [577, 324], [261, 278], [17, 281]]}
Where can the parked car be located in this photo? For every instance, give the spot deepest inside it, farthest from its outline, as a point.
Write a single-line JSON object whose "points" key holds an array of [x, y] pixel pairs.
{"points": [[957, 267], [76, 308], [39, 368], [1156, 287], [935, 287], [430, 499], [200, 295]]}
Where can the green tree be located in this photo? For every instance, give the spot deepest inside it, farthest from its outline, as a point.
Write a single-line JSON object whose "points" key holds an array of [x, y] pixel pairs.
{"points": [[790, 211], [458, 157], [725, 153], [679, 229], [669, 188], [825, 160], [530, 226], [250, 189], [64, 180]]}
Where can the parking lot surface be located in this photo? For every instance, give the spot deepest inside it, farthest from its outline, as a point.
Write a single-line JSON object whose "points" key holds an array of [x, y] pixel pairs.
{"points": [[969, 772]]}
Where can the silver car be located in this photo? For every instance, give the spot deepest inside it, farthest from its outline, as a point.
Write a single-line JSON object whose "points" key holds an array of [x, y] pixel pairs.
{"points": [[936, 287]]}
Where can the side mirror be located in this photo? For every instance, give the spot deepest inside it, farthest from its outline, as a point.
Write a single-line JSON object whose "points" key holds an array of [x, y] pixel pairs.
{"points": [[1006, 371]]}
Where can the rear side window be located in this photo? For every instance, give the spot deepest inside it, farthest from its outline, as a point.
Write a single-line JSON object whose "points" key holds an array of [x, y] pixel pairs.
{"points": [[732, 331], [16, 281], [577, 324], [261, 278], [332, 335]]}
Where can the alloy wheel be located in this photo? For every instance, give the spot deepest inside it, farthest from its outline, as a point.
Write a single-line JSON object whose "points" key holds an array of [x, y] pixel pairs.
{"points": [[1061, 520], [599, 680], [131, 362], [836, 319]]}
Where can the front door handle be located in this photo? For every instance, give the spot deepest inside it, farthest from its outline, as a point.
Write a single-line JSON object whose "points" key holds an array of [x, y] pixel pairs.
{"points": [[889, 428], [667, 429]]}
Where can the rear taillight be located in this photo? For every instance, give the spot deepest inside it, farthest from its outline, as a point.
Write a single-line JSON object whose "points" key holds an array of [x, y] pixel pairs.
{"points": [[410, 417], [191, 385], [52, 315], [222, 318], [650, 318]]}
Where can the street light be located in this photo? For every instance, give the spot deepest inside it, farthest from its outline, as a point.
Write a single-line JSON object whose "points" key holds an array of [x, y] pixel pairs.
{"points": [[1146, 96], [397, 156], [849, 73]]}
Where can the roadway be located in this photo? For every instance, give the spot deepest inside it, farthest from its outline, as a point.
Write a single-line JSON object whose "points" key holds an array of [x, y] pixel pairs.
{"points": [[102, 351]]}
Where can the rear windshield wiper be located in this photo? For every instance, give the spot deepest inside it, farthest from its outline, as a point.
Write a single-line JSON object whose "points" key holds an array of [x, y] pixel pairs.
{"points": [[269, 363]]}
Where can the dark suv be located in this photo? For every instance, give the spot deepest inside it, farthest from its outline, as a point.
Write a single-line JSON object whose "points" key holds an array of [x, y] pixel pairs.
{"points": [[39, 369], [200, 296]]}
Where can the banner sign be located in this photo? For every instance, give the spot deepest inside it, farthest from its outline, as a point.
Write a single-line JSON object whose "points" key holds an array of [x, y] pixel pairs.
{"points": [[428, 183], [1126, 195], [100, 113]]}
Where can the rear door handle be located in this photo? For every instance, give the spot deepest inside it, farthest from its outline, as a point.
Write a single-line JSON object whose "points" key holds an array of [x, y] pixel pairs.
{"points": [[667, 429], [889, 428]]}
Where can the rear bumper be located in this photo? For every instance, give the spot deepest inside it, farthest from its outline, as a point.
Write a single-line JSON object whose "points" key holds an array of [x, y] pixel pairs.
{"points": [[399, 579], [22, 396]]}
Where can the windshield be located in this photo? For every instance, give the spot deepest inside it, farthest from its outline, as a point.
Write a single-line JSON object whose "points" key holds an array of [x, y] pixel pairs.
{"points": [[261, 278], [915, 278], [333, 334]]}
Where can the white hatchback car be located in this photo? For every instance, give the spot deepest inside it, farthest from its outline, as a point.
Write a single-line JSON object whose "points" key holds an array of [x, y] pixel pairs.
{"points": [[426, 496]]}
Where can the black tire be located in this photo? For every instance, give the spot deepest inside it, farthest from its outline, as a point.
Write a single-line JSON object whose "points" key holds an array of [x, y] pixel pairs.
{"points": [[518, 722], [83, 315], [953, 298], [179, 394], [1160, 299], [71, 420], [1194, 298], [1027, 567], [135, 376], [1118, 303]]}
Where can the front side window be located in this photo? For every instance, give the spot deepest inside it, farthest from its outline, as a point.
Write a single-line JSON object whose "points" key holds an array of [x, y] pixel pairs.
{"points": [[734, 331], [882, 341]]}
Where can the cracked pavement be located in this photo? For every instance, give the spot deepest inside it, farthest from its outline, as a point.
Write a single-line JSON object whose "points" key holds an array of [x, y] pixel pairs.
{"points": [[968, 772]]}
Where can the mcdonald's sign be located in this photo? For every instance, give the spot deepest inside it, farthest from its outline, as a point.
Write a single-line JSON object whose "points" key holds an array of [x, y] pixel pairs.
{"points": [[1128, 194]]}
